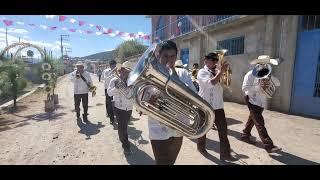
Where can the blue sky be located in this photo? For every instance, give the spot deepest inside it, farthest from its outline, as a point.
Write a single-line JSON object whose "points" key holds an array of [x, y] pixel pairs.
{"points": [[81, 44]]}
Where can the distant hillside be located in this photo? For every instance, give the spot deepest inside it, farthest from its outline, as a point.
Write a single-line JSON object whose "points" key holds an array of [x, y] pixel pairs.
{"points": [[102, 55]]}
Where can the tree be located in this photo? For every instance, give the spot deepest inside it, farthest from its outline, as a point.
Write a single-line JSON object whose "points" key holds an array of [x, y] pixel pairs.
{"points": [[127, 49], [12, 80]]}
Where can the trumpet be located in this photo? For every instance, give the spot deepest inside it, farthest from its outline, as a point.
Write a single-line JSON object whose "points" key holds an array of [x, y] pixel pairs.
{"points": [[226, 77], [93, 90], [121, 85]]}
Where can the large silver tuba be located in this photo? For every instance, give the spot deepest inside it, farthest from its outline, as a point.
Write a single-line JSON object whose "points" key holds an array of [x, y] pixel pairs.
{"points": [[123, 88], [262, 71], [162, 96]]}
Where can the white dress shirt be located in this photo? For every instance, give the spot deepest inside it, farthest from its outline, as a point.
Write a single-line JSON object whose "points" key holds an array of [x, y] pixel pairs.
{"points": [[252, 89], [80, 87], [213, 94], [158, 131], [106, 76], [120, 101]]}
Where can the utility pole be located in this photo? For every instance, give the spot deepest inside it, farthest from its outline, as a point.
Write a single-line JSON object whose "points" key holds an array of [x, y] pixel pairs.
{"points": [[63, 38], [7, 40], [67, 50]]}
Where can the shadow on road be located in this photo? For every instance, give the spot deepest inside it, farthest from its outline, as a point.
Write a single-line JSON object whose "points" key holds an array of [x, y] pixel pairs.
{"points": [[89, 129], [138, 157], [135, 135], [231, 121], [290, 159]]}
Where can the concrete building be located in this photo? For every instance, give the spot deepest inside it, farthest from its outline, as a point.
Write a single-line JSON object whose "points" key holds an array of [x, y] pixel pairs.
{"points": [[295, 39]]}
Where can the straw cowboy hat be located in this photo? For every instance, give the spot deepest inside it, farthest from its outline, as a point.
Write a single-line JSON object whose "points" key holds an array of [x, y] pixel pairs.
{"points": [[79, 63], [263, 59], [179, 63], [127, 65]]}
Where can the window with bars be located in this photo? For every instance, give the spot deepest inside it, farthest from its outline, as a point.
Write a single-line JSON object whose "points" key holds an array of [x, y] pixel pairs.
{"points": [[185, 25], [317, 82], [234, 45], [309, 23]]}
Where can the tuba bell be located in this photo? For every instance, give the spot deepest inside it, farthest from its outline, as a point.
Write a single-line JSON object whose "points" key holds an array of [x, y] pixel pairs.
{"points": [[161, 95], [226, 77]]}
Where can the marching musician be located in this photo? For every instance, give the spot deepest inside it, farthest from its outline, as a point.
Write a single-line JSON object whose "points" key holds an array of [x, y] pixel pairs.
{"points": [[166, 142], [256, 101], [122, 105], [211, 91], [82, 81], [106, 76]]}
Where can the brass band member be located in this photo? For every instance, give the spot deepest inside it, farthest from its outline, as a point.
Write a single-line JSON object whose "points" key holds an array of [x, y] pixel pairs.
{"points": [[211, 90], [122, 106], [166, 142], [106, 76], [81, 79], [257, 101]]}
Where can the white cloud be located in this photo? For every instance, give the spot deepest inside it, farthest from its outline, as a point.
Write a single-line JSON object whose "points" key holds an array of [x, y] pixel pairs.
{"points": [[91, 25], [20, 23], [26, 37], [72, 20], [14, 30], [109, 49], [80, 31], [63, 43], [112, 34], [50, 16], [98, 33], [43, 26], [64, 28]]}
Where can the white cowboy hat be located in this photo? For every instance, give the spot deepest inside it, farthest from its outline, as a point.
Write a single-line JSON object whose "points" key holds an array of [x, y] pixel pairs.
{"points": [[79, 63], [127, 65], [265, 59], [178, 63]]}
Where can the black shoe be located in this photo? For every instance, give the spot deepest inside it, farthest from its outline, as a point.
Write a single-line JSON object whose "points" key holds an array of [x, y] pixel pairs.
{"points": [[85, 118], [247, 139], [274, 149]]}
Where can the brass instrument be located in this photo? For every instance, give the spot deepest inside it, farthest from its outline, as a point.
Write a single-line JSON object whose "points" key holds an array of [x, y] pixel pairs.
{"points": [[226, 77], [122, 86], [161, 95]]}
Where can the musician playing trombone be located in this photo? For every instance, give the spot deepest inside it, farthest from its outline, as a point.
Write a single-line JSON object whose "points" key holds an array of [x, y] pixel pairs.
{"points": [[212, 91], [256, 101], [166, 142], [122, 105]]}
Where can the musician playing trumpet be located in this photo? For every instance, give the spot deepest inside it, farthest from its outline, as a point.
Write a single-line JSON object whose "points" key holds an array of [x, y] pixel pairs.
{"points": [[82, 85], [122, 104], [253, 86]]}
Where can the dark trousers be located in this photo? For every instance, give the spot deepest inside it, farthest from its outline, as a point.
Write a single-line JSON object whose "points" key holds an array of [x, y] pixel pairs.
{"points": [[123, 118], [77, 100], [109, 106], [256, 118], [99, 78], [221, 123], [166, 151]]}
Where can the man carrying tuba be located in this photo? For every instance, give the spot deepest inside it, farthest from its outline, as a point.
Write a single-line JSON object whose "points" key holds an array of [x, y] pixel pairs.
{"points": [[254, 83], [166, 142], [211, 90], [82, 84]]}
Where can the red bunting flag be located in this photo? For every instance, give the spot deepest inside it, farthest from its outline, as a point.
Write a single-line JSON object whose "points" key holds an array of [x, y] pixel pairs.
{"points": [[131, 35], [147, 37], [109, 30], [53, 27], [81, 23], [99, 28], [62, 18], [120, 33], [72, 30], [7, 22]]}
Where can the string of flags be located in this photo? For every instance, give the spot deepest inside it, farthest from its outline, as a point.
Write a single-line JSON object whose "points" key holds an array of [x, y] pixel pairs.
{"points": [[98, 29]]}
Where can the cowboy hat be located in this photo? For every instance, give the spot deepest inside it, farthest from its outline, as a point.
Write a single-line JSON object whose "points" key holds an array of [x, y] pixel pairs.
{"points": [[264, 59], [127, 65], [179, 63], [79, 63]]}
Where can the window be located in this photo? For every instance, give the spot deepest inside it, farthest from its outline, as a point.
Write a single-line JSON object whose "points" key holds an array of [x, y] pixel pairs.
{"points": [[234, 45], [185, 24], [308, 23], [184, 55], [160, 29], [317, 83]]}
